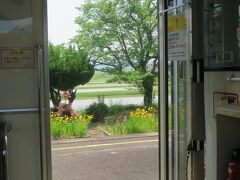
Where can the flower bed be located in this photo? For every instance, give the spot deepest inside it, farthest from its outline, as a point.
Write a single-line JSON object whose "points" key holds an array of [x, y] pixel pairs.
{"points": [[140, 120], [65, 126]]}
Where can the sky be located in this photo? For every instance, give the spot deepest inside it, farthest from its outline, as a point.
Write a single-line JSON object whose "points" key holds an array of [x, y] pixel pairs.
{"points": [[61, 16]]}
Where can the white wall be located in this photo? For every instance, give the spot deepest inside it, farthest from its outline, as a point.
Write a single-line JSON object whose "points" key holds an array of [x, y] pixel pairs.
{"points": [[215, 81]]}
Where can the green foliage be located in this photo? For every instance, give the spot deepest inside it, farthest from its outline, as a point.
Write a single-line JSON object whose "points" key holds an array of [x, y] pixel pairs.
{"points": [[121, 36], [134, 78], [121, 93], [139, 121], [63, 126], [72, 129], [117, 108], [98, 110], [100, 77], [68, 67], [132, 126]]}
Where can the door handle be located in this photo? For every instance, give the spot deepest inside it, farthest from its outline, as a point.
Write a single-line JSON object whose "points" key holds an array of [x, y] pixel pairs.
{"points": [[40, 78]]}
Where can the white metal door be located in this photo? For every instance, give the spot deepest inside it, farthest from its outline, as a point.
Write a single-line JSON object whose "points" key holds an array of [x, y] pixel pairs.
{"points": [[24, 88]]}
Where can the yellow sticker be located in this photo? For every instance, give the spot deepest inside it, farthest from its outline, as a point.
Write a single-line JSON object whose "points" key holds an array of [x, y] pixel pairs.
{"points": [[176, 23]]}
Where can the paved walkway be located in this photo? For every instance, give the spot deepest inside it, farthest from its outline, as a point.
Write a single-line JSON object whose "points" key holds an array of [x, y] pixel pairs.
{"points": [[132, 158]]}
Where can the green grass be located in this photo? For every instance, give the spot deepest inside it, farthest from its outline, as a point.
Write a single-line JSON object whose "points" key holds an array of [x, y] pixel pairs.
{"points": [[138, 120], [111, 94], [106, 86], [100, 77], [65, 127], [89, 95], [99, 82], [102, 86], [71, 129], [118, 108], [132, 126]]}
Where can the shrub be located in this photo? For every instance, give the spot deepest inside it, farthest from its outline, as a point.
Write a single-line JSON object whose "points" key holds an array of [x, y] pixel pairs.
{"points": [[98, 110], [68, 67], [118, 108]]}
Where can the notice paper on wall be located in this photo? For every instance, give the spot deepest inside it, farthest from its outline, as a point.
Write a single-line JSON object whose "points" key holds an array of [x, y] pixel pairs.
{"points": [[17, 58], [177, 38]]}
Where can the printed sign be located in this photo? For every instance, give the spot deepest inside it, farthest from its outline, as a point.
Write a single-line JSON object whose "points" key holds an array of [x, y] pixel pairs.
{"points": [[177, 38], [17, 58]]}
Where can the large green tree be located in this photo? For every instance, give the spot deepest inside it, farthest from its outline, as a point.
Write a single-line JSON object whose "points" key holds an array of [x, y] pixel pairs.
{"points": [[68, 68], [121, 36]]}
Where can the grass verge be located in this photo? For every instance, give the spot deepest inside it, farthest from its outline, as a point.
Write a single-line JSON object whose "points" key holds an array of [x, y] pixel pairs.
{"points": [[121, 120], [141, 120], [110, 94], [100, 77], [64, 127], [115, 109], [87, 95]]}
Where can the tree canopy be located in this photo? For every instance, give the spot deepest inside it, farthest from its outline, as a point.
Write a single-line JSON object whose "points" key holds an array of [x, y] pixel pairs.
{"points": [[121, 37], [68, 68]]}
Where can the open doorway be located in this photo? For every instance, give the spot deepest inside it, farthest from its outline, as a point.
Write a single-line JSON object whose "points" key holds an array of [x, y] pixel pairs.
{"points": [[103, 88]]}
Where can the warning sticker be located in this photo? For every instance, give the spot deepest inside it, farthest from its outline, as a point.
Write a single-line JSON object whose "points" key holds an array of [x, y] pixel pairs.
{"points": [[17, 58], [177, 38]]}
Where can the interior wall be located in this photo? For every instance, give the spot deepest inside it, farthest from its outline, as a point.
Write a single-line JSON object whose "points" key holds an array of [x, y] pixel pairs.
{"points": [[215, 81]]}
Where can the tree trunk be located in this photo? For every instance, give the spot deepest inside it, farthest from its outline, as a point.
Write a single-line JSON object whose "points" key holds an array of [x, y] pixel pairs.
{"points": [[55, 96], [148, 90], [72, 95]]}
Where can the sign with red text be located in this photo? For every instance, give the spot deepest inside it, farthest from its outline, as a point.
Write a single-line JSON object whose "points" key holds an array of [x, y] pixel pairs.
{"points": [[177, 38]]}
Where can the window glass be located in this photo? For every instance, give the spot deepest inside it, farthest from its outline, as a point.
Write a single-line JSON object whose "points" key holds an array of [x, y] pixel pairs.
{"points": [[16, 16], [222, 41], [177, 38]]}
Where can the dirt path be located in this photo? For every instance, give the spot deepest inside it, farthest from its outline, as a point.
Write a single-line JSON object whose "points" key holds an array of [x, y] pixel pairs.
{"points": [[95, 132]]}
